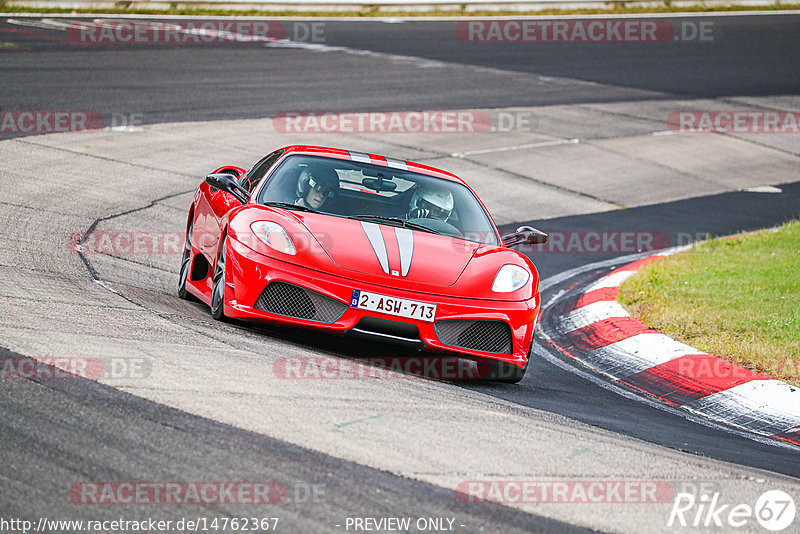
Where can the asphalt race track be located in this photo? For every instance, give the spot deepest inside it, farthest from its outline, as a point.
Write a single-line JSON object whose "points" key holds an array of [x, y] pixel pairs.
{"points": [[749, 56], [590, 150]]}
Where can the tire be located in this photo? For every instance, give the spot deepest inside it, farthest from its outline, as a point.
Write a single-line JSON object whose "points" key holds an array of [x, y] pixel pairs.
{"points": [[218, 286], [186, 261], [507, 373]]}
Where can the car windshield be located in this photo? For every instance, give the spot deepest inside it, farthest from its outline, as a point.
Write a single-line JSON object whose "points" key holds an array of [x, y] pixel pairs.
{"points": [[380, 194]]}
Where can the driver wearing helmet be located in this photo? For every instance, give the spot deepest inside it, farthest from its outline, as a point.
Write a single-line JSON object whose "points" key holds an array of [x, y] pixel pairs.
{"points": [[431, 203], [315, 187]]}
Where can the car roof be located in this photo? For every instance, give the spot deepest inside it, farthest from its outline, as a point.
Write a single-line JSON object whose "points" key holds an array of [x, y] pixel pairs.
{"points": [[365, 157]]}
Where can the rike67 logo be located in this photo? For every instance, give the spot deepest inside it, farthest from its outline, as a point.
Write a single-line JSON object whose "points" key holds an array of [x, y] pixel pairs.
{"points": [[774, 510]]}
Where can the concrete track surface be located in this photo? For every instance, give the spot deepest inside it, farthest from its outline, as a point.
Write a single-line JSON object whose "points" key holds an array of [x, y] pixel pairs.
{"points": [[209, 405]]}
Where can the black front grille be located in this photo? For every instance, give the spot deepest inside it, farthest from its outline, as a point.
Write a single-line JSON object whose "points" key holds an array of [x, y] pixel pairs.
{"points": [[387, 327], [486, 336], [282, 298]]}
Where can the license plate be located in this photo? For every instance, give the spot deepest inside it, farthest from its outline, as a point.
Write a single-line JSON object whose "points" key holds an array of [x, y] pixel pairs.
{"points": [[410, 309]]}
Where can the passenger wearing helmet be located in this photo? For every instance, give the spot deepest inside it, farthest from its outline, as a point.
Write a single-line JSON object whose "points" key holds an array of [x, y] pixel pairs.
{"points": [[316, 186], [431, 203]]}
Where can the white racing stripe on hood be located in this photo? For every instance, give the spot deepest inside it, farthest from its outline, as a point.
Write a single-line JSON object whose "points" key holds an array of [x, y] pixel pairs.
{"points": [[375, 237], [405, 242]]}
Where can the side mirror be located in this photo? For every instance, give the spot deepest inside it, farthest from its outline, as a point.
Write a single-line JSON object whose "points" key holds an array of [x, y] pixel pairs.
{"points": [[525, 235], [228, 183]]}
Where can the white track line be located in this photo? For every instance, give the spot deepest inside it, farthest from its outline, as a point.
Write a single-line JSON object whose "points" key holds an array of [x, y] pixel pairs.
{"points": [[515, 147]]}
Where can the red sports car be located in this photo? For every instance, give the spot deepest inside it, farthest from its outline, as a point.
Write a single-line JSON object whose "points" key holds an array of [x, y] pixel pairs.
{"points": [[345, 241]]}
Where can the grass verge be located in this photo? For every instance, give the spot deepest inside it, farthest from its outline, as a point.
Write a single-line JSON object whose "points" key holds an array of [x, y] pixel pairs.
{"points": [[735, 298], [617, 9]]}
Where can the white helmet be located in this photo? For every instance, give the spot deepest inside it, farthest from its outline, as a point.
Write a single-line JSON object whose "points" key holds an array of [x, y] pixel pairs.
{"points": [[436, 204]]}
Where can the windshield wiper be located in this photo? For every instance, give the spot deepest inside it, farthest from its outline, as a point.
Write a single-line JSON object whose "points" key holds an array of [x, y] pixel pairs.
{"points": [[393, 221], [288, 206]]}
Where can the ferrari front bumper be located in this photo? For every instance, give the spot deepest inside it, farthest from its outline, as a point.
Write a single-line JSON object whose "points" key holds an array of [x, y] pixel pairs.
{"points": [[298, 296]]}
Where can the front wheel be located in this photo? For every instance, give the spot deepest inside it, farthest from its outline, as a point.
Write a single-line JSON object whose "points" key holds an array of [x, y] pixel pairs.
{"points": [[218, 286], [507, 373]]}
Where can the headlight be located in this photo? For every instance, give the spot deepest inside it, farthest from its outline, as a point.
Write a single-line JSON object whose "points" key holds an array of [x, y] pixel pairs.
{"points": [[510, 278], [274, 236]]}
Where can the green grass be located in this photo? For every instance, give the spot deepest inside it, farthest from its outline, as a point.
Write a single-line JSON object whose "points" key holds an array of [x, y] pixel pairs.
{"points": [[615, 9], [735, 298]]}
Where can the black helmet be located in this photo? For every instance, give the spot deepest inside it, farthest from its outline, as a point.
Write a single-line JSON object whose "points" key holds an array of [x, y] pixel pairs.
{"points": [[322, 178]]}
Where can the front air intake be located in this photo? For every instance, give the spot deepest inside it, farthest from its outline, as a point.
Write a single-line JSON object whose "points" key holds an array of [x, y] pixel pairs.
{"points": [[289, 300], [482, 335]]}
